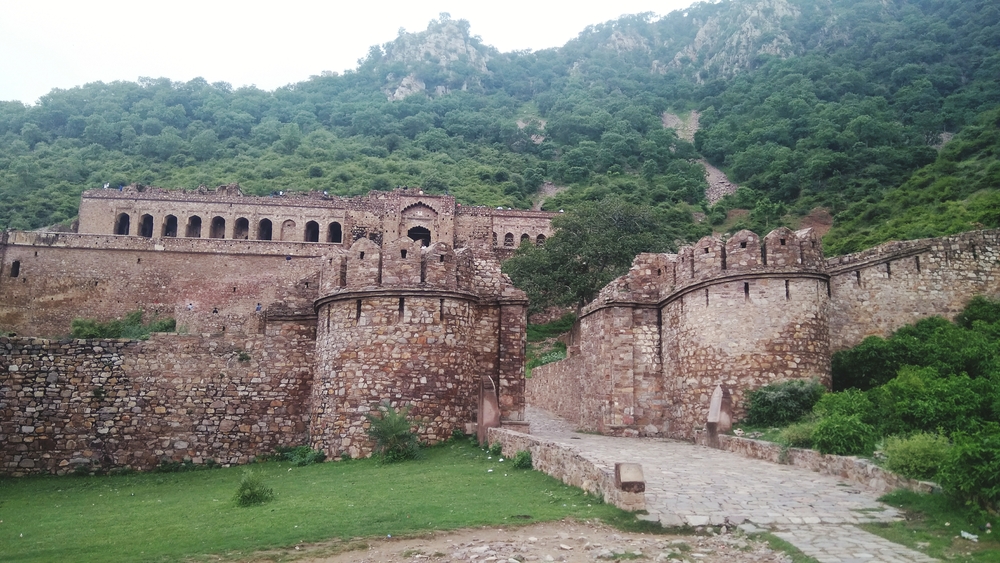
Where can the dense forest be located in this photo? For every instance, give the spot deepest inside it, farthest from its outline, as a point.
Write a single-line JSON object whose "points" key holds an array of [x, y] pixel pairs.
{"points": [[885, 113]]}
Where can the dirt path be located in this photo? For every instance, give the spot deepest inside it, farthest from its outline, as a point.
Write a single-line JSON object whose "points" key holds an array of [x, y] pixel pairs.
{"points": [[567, 540], [547, 190], [719, 185]]}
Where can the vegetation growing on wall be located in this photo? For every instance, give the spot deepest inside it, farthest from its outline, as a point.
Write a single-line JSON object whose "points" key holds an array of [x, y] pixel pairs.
{"points": [[131, 327]]}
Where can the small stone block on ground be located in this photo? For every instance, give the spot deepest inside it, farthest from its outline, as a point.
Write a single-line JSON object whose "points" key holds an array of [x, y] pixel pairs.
{"points": [[629, 478]]}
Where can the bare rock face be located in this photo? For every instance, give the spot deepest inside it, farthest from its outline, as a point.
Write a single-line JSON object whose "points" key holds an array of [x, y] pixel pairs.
{"points": [[731, 40], [445, 44]]}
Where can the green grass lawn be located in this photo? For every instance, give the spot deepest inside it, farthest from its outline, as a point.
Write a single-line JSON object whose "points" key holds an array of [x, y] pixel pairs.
{"points": [[174, 516], [934, 524]]}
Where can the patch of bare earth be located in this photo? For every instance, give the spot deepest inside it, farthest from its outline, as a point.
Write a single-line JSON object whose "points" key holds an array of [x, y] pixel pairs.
{"points": [[547, 190], [819, 220], [719, 184], [567, 540]]}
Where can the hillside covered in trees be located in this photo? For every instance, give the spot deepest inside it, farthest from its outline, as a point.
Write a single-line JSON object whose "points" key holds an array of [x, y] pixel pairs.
{"points": [[851, 106]]}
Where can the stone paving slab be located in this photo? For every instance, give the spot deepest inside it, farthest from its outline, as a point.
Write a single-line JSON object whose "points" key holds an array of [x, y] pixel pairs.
{"points": [[694, 485], [848, 544]]}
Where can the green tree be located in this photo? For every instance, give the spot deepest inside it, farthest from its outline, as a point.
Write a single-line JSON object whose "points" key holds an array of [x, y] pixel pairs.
{"points": [[592, 246]]}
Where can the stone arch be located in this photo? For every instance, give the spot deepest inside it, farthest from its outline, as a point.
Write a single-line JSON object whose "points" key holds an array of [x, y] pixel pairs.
{"points": [[524, 237], [265, 230], [146, 226], [494, 239], [312, 232], [122, 224], [193, 227], [241, 230], [508, 239], [169, 226], [539, 240], [423, 234], [218, 228], [288, 230], [335, 233]]}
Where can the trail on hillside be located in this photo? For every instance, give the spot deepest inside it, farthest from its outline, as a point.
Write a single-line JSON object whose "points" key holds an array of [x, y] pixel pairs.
{"points": [[547, 190], [719, 185]]}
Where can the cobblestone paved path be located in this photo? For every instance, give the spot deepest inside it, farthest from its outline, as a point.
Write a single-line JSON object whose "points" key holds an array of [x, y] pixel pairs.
{"points": [[695, 485]]}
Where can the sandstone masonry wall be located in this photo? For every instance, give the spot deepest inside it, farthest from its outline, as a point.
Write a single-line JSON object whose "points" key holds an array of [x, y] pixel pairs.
{"points": [[745, 312], [116, 403]]}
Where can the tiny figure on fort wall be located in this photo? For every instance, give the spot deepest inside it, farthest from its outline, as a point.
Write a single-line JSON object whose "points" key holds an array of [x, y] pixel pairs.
{"points": [[190, 306], [258, 308]]}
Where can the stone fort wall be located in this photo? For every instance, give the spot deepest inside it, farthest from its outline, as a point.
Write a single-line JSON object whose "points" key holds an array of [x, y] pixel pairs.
{"points": [[125, 403], [744, 312], [410, 303]]}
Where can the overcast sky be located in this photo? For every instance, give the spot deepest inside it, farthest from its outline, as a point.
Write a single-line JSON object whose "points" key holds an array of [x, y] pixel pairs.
{"points": [[46, 44]]}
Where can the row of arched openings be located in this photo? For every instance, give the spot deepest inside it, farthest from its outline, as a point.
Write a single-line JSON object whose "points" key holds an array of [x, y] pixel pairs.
{"points": [[508, 239], [263, 230]]}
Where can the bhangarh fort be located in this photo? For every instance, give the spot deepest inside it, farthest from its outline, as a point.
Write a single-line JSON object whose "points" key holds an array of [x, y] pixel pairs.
{"points": [[302, 313]]}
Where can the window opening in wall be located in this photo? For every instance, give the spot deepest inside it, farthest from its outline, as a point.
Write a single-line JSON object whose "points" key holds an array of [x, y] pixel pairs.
{"points": [[327, 318], [746, 291], [441, 258], [441, 310], [494, 239], [122, 224], [361, 256], [706, 297], [343, 274], [659, 272], [524, 237], [138, 260], [312, 231], [423, 234], [917, 260], [423, 271], [722, 254], [264, 229], [787, 293], [218, 228], [508, 239], [782, 241], [170, 226], [857, 277], [241, 229], [974, 255], [234, 290], [36, 254], [829, 291], [763, 254], [146, 226], [402, 254], [401, 307], [335, 233], [539, 240], [193, 227], [888, 270], [706, 250], [357, 310], [743, 244], [15, 268]]}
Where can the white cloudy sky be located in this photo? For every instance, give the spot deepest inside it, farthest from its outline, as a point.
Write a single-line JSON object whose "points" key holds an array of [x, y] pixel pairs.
{"points": [[47, 44]]}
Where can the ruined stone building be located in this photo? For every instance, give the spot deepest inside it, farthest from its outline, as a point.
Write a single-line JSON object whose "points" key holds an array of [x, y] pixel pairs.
{"points": [[298, 314], [739, 313]]}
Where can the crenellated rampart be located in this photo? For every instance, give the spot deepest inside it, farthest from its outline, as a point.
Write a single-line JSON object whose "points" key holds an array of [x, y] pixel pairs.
{"points": [[743, 312]]}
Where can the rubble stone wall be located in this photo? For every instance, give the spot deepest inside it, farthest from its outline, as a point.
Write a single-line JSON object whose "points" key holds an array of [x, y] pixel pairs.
{"points": [[207, 286], [116, 403], [884, 288], [745, 312]]}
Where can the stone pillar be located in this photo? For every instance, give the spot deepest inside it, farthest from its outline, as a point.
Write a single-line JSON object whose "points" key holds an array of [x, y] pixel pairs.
{"points": [[510, 371]]}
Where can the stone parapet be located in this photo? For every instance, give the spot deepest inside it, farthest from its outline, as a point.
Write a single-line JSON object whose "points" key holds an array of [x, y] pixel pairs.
{"points": [[857, 470], [569, 466]]}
